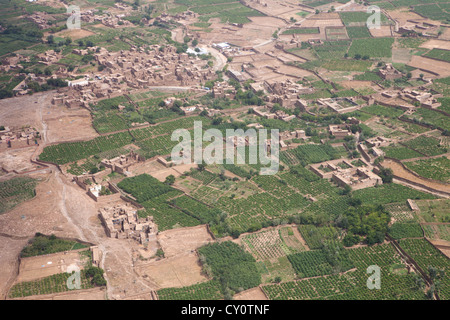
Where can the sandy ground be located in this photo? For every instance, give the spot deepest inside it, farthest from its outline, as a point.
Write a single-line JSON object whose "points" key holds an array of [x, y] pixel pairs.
{"points": [[9, 253], [23, 111], [383, 31], [439, 67], [402, 173], [178, 241], [18, 159], [402, 15], [89, 294], [251, 294], [159, 171], [439, 44], [67, 124], [179, 271], [33, 268], [74, 34]]}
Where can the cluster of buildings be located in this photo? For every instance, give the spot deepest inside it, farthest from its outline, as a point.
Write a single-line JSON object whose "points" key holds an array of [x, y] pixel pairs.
{"points": [[41, 19], [123, 222], [158, 65], [122, 163], [412, 27], [279, 114], [388, 72], [13, 62], [340, 131], [339, 105], [285, 93], [223, 90], [179, 17], [344, 173], [109, 20], [136, 68], [49, 57], [425, 99], [18, 138], [408, 98]]}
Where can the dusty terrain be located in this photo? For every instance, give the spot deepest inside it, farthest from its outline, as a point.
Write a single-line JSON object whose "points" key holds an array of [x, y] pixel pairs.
{"points": [[251, 294], [439, 67], [183, 240], [178, 271], [402, 173]]}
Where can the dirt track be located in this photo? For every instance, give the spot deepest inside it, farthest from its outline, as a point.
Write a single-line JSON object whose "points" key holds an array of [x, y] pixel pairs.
{"points": [[403, 173]]}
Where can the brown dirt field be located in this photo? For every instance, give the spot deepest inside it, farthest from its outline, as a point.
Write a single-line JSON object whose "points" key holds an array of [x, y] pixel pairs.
{"points": [[384, 31], [74, 34], [445, 35], [44, 266], [62, 123], [402, 173], [322, 23], [402, 15], [22, 111], [181, 240], [401, 55], [40, 214], [439, 67], [251, 294], [443, 246], [9, 253], [66, 124], [18, 159], [356, 84], [182, 270], [159, 171], [439, 44], [88, 294]]}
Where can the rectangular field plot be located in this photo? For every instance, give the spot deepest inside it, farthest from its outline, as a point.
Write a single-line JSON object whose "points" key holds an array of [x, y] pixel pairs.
{"points": [[273, 243], [426, 256], [15, 191], [400, 212], [336, 33], [428, 146], [352, 285], [373, 47], [436, 168]]}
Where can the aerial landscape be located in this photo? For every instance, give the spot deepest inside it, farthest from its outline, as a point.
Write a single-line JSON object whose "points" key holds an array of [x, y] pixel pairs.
{"points": [[224, 150]]}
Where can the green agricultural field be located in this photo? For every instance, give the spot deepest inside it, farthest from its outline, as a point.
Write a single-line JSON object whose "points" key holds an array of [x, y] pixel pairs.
{"points": [[384, 111], [301, 31], [347, 65], [428, 258], [436, 168], [431, 117], [425, 145], [432, 11], [389, 193], [359, 18], [41, 245], [15, 191], [373, 47], [396, 283], [439, 54], [209, 290], [358, 32], [400, 152], [90, 278]]}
